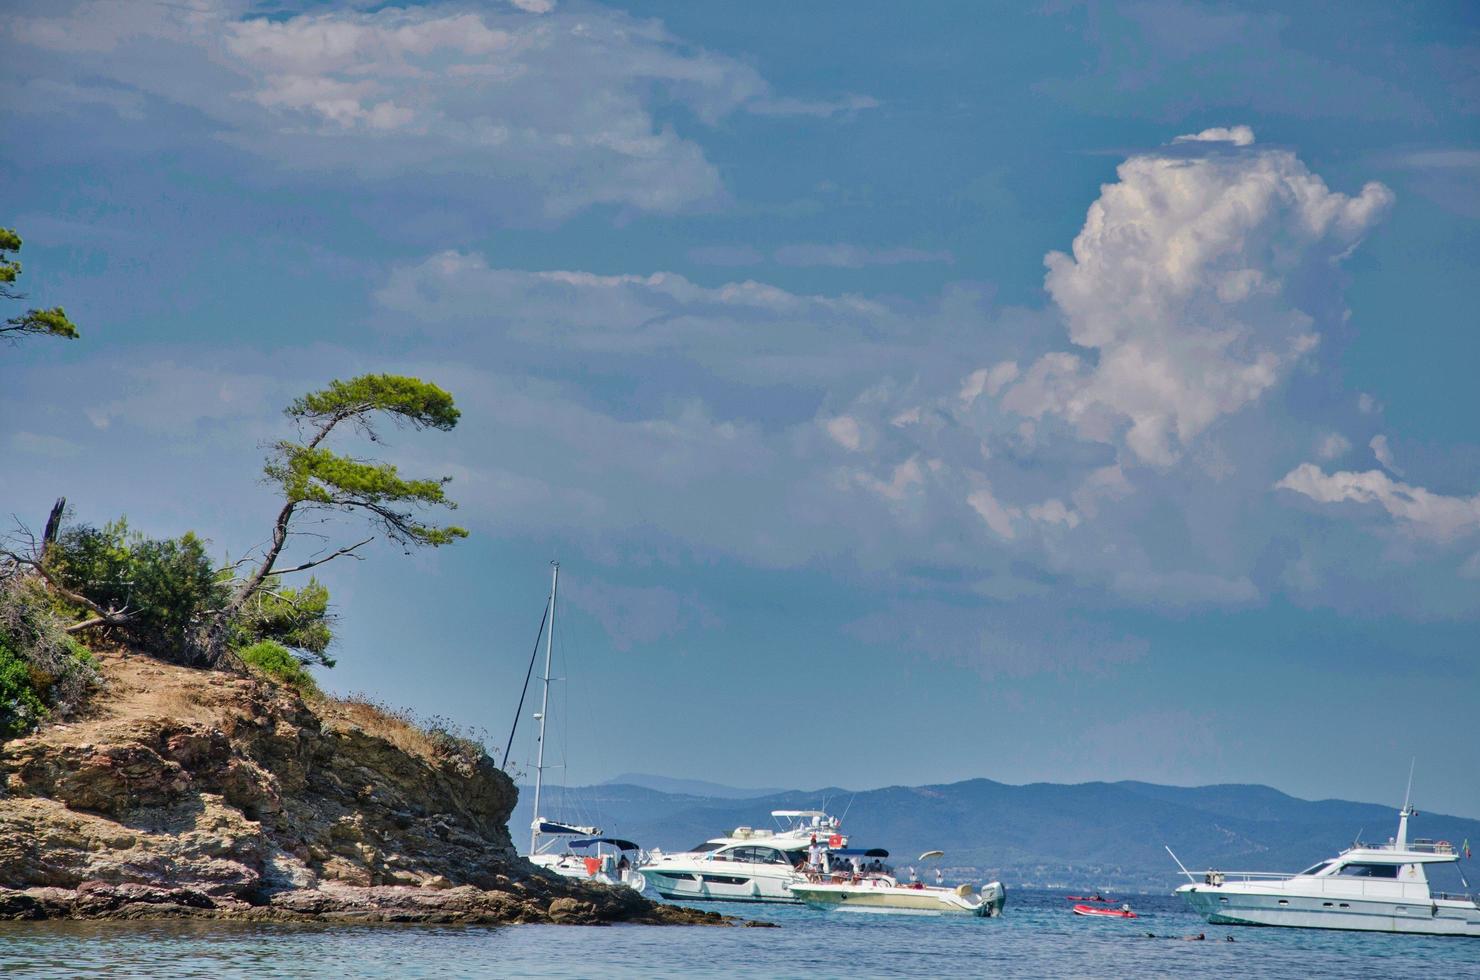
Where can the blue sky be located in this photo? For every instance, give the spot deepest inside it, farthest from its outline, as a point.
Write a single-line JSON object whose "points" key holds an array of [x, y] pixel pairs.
{"points": [[910, 392]]}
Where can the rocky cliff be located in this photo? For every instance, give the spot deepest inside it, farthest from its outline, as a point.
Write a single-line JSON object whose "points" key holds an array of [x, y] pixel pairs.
{"points": [[190, 792]]}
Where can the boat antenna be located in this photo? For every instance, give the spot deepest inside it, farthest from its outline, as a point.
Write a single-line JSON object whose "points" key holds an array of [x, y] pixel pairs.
{"points": [[1357, 840], [848, 807], [525, 691], [1189, 874], [539, 765], [1408, 793]]}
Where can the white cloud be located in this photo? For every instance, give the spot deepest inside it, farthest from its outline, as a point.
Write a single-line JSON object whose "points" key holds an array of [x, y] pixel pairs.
{"points": [[998, 516], [989, 380], [568, 105], [1333, 444], [845, 432], [1384, 454], [1237, 135], [1427, 515], [1181, 283]]}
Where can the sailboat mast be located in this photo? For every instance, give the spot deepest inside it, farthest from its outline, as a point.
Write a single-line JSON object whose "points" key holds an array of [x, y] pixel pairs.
{"points": [[539, 765]]}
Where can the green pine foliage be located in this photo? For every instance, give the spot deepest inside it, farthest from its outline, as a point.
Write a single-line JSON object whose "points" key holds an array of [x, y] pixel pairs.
{"points": [[297, 618], [277, 662], [49, 323]]}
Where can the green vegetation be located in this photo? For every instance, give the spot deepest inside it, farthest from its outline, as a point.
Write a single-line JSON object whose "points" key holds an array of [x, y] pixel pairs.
{"points": [[47, 323], [164, 596], [158, 590], [41, 667], [277, 662], [314, 479]]}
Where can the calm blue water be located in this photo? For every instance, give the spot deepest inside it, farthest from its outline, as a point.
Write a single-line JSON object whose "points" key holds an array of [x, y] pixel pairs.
{"points": [[1037, 938]]}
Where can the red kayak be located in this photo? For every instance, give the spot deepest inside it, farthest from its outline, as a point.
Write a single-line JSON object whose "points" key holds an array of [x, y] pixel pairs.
{"points": [[1111, 913]]}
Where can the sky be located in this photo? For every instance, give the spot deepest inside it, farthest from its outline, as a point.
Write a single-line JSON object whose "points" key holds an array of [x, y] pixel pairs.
{"points": [[909, 392]]}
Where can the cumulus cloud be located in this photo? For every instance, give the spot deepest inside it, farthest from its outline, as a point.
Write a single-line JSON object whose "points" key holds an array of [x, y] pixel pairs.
{"points": [[1183, 283], [569, 105], [1425, 514]]}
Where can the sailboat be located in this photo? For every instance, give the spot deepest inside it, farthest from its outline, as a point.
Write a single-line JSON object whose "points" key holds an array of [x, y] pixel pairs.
{"points": [[605, 860]]}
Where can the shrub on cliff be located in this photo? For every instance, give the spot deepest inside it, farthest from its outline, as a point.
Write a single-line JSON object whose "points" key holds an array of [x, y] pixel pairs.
{"points": [[160, 588], [41, 667], [277, 662], [156, 594]]}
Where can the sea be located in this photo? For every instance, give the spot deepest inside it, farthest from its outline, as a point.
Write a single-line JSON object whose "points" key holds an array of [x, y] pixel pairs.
{"points": [[1036, 937]]}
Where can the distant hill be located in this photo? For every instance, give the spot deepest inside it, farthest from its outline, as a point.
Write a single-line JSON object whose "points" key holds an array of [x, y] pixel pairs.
{"points": [[690, 787], [1044, 834]]}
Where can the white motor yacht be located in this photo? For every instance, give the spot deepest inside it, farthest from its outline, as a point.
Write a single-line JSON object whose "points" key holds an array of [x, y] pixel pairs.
{"points": [[1372, 887], [746, 865], [883, 893]]}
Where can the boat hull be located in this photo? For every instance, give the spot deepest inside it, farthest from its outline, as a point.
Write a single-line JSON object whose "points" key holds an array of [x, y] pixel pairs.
{"points": [[710, 884], [1427, 917], [898, 900]]}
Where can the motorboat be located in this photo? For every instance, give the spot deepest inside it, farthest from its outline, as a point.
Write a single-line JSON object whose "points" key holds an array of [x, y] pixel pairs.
{"points": [[1369, 887], [885, 894], [749, 864], [1124, 912], [608, 862]]}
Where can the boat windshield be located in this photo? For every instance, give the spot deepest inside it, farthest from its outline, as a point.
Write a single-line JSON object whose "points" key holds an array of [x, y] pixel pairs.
{"points": [[709, 845], [1369, 871], [1317, 869]]}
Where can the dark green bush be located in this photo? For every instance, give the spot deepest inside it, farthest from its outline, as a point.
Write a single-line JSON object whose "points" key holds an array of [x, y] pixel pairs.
{"points": [[168, 584], [276, 661]]}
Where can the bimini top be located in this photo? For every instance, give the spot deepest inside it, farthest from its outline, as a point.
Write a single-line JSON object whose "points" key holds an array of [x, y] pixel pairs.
{"points": [[928, 855], [617, 842], [798, 813], [847, 852], [542, 826]]}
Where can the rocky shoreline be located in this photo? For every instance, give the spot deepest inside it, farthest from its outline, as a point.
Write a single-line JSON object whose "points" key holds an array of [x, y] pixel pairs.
{"points": [[189, 793]]}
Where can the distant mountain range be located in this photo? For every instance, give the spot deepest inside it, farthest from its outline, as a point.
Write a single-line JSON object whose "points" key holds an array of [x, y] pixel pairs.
{"points": [[690, 787], [1041, 834]]}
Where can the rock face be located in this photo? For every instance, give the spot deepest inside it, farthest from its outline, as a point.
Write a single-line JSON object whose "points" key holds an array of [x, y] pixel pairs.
{"points": [[189, 792]]}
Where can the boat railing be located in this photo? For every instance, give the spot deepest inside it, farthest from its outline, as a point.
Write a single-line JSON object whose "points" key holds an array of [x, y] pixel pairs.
{"points": [[1454, 896], [1248, 876], [1420, 846]]}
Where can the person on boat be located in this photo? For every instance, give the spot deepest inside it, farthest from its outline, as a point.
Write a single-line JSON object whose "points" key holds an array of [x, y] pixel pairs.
{"points": [[623, 864], [1125, 906], [814, 855], [914, 878], [939, 877], [857, 863]]}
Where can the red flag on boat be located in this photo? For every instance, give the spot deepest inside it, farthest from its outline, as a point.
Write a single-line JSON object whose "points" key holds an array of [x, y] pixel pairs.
{"points": [[836, 840]]}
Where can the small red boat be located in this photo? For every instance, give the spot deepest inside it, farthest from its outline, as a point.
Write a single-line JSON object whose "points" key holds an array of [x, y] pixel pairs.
{"points": [[1120, 913]]}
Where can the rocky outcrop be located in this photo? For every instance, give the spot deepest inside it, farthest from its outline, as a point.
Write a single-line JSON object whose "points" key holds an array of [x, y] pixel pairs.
{"points": [[193, 793]]}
